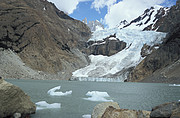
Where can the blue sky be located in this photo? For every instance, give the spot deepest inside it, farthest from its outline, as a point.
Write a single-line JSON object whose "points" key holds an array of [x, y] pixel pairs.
{"points": [[108, 11], [84, 10]]}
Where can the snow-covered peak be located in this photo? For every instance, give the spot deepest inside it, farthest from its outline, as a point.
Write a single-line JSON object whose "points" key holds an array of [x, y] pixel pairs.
{"points": [[93, 25], [84, 20], [148, 19], [122, 24]]}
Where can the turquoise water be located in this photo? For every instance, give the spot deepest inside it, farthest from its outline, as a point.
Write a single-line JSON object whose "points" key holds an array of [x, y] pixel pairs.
{"points": [[141, 96]]}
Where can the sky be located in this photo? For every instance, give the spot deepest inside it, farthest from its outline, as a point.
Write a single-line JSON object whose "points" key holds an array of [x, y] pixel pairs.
{"points": [[109, 12]]}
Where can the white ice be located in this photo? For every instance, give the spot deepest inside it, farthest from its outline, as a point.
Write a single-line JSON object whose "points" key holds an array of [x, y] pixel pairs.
{"points": [[86, 116], [53, 92], [174, 84], [97, 96], [98, 79], [102, 66], [44, 105]]}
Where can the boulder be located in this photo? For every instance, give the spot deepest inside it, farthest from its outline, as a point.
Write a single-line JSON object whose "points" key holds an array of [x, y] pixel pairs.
{"points": [[14, 102], [100, 108], [167, 110], [176, 113], [111, 112]]}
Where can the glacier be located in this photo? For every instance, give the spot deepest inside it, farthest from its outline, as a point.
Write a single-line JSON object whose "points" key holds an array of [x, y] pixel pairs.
{"points": [[101, 66], [174, 85]]}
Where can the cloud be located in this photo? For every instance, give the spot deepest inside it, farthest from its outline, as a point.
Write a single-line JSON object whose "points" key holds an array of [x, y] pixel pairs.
{"points": [[98, 4], [68, 6], [127, 10]]}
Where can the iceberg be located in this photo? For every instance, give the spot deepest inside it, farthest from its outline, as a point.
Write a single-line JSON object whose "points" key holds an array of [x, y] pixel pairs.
{"points": [[44, 105], [86, 116], [53, 92], [174, 85], [97, 96]]}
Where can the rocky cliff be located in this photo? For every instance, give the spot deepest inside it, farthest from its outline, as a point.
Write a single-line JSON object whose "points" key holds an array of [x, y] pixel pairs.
{"points": [[107, 47], [45, 38], [163, 64]]}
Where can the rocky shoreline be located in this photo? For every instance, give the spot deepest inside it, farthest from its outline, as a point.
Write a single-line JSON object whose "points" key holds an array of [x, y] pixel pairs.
{"points": [[112, 110]]}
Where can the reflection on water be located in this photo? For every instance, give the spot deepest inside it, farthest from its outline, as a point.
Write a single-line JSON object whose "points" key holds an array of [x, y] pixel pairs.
{"points": [[128, 95]]}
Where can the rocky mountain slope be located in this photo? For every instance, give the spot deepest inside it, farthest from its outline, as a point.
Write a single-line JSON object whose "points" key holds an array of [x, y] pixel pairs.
{"points": [[163, 64], [45, 38]]}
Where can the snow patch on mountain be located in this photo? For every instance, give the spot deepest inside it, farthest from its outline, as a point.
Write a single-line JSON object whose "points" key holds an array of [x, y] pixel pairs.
{"points": [[102, 66], [148, 18]]}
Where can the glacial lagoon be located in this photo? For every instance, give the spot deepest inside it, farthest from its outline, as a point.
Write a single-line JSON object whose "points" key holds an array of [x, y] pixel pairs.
{"points": [[76, 99]]}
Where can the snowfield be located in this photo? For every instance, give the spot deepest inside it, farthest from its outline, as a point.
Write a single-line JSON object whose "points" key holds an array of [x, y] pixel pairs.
{"points": [[102, 66]]}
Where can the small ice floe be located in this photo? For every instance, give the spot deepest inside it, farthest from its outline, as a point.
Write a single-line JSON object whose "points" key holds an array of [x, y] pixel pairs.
{"points": [[174, 85], [54, 92], [44, 105], [86, 116], [97, 96]]}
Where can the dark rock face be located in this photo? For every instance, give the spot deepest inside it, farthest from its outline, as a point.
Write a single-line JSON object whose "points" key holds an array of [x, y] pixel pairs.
{"points": [[167, 54], [147, 50], [107, 47], [172, 20], [45, 38], [167, 110], [14, 102]]}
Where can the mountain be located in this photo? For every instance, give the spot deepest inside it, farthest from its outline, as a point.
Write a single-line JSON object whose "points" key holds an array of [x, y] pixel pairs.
{"points": [[151, 19], [163, 65], [45, 38], [120, 64], [147, 56], [93, 25]]}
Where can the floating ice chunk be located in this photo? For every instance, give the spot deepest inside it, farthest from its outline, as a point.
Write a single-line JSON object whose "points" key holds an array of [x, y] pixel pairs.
{"points": [[86, 116], [44, 105], [97, 96], [174, 84], [97, 93], [53, 92]]}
